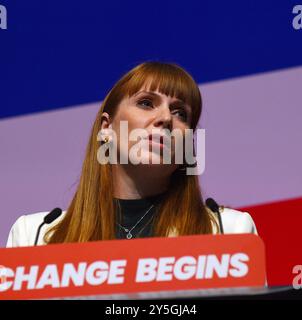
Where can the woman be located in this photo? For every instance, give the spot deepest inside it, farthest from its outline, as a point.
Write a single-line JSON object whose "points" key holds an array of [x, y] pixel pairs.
{"points": [[129, 200]]}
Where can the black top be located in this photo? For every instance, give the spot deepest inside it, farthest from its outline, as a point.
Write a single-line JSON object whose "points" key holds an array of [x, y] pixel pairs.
{"points": [[132, 210]]}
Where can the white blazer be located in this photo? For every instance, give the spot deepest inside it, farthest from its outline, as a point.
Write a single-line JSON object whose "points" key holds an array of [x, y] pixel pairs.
{"points": [[23, 231]]}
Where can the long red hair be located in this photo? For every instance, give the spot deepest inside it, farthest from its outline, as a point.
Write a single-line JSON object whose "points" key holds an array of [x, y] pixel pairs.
{"points": [[91, 213]]}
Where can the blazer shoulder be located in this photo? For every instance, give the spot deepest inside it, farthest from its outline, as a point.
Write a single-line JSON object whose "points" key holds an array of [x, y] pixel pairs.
{"points": [[235, 221], [23, 231]]}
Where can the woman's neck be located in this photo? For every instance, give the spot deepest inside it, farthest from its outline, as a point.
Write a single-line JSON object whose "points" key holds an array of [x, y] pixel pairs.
{"points": [[136, 182]]}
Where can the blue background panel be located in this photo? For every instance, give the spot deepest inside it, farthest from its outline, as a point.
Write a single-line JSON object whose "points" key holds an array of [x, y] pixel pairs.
{"points": [[63, 53]]}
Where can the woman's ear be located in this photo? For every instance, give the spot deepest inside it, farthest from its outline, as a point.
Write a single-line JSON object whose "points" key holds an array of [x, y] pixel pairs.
{"points": [[105, 121], [105, 133]]}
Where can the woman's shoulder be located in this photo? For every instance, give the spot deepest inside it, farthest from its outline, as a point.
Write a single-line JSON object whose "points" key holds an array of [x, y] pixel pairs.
{"points": [[24, 230], [236, 221]]}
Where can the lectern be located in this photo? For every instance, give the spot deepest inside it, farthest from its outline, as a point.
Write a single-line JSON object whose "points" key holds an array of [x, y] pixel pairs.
{"points": [[184, 266]]}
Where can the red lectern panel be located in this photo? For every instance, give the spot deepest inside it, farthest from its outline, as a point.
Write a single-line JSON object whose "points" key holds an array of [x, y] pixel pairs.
{"points": [[132, 266]]}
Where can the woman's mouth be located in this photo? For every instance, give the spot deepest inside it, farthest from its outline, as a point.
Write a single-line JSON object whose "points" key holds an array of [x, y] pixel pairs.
{"points": [[157, 139]]}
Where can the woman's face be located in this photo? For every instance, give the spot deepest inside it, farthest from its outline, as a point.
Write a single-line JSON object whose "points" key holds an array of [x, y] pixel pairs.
{"points": [[154, 112]]}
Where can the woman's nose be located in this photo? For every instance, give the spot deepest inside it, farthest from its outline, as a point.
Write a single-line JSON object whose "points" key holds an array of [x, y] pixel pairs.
{"points": [[164, 118]]}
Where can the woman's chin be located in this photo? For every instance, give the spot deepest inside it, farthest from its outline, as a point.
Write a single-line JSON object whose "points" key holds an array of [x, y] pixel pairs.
{"points": [[158, 166]]}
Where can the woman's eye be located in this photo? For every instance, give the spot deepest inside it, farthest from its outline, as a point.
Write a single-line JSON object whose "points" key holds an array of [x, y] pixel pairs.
{"points": [[145, 103], [182, 114]]}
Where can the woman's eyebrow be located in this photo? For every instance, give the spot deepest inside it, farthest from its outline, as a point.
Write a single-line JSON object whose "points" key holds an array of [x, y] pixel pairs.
{"points": [[157, 95], [150, 92]]}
